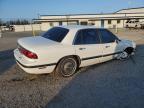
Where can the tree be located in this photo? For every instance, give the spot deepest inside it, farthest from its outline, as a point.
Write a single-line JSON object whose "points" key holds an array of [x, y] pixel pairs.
{"points": [[15, 22], [18, 22], [1, 22]]}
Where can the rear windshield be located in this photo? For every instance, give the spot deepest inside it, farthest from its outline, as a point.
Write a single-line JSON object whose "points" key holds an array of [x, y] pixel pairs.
{"points": [[56, 34]]}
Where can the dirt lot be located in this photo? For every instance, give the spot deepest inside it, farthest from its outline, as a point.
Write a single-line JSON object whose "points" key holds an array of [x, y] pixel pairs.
{"points": [[114, 84]]}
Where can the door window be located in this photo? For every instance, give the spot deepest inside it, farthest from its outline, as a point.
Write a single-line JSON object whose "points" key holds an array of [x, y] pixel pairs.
{"points": [[87, 36], [106, 36], [56, 34]]}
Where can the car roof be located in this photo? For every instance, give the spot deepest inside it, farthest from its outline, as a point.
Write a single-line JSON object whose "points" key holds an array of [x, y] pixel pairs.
{"points": [[70, 27]]}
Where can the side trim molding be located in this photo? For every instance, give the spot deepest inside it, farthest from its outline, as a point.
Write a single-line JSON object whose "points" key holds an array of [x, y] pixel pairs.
{"points": [[93, 57], [36, 66]]}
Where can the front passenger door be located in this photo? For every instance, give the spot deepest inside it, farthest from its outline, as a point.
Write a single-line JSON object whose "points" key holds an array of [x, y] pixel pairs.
{"points": [[108, 44], [87, 46]]}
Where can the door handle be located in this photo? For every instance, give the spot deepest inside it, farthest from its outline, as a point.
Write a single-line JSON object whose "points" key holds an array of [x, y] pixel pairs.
{"points": [[107, 46], [82, 48]]}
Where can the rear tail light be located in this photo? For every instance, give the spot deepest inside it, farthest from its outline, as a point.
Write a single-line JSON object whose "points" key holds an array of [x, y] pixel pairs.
{"points": [[28, 53]]}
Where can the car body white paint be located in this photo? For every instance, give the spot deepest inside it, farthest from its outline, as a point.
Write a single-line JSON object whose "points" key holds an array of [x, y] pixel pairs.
{"points": [[134, 24], [50, 52]]}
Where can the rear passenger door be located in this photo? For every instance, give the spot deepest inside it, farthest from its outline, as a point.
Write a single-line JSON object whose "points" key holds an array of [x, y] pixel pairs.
{"points": [[87, 46], [108, 44]]}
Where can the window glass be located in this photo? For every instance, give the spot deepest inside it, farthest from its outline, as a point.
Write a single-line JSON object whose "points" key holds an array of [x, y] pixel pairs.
{"points": [[78, 39], [56, 34], [127, 21], [118, 21], [83, 23], [137, 20], [87, 36], [107, 36], [109, 21], [51, 24], [60, 23]]}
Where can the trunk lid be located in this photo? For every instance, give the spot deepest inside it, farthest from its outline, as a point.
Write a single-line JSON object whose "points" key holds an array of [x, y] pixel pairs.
{"points": [[35, 43]]}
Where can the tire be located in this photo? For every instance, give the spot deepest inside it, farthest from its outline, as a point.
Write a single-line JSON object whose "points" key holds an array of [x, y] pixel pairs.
{"points": [[125, 54], [127, 26], [67, 67]]}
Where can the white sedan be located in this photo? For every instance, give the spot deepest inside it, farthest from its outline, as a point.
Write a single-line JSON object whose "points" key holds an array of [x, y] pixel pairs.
{"points": [[66, 48]]}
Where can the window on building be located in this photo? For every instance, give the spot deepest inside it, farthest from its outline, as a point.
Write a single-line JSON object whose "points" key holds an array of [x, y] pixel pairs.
{"points": [[60, 23], [109, 21], [136, 20], [51, 24], [87, 36], [91, 23], [83, 23], [118, 21]]}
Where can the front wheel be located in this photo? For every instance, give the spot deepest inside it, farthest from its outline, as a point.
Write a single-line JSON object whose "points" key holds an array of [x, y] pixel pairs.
{"points": [[122, 56], [67, 67], [126, 53]]}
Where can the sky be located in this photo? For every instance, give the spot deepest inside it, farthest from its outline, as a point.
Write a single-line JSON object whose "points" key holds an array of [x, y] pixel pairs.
{"points": [[13, 9]]}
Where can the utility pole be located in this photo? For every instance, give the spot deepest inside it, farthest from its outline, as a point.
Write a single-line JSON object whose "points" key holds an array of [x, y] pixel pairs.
{"points": [[33, 32], [0, 28], [38, 16], [67, 18], [39, 21], [0, 32]]}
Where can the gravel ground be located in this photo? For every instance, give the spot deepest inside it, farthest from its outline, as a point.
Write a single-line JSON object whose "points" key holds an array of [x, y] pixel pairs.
{"points": [[114, 84]]}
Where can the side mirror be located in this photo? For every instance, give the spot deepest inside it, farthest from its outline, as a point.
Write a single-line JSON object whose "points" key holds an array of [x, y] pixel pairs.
{"points": [[117, 41]]}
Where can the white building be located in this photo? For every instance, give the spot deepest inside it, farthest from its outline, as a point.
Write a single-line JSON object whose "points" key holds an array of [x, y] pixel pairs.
{"points": [[106, 20]]}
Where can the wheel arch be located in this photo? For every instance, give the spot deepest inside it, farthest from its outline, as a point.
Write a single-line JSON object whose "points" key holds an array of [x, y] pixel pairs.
{"points": [[129, 50]]}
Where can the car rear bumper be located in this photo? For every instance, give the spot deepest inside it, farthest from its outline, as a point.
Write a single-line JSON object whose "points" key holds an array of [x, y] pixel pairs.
{"points": [[33, 69], [37, 70]]}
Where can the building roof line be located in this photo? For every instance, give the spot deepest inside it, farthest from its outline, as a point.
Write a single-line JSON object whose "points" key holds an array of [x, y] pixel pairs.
{"points": [[59, 19], [76, 14], [93, 14], [129, 9]]}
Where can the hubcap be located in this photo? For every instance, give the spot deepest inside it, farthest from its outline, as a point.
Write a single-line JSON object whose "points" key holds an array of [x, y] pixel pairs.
{"points": [[69, 68], [123, 55]]}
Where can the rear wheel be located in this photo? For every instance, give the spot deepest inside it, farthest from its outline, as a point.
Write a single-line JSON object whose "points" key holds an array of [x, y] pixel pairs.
{"points": [[127, 26], [67, 67]]}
